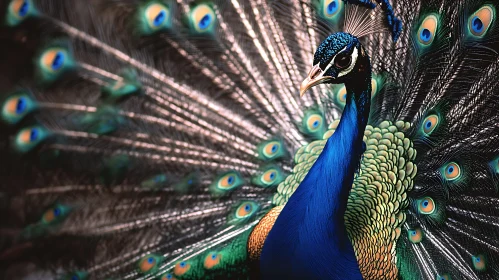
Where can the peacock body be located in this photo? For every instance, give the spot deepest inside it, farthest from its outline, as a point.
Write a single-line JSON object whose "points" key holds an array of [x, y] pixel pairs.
{"points": [[167, 139]]}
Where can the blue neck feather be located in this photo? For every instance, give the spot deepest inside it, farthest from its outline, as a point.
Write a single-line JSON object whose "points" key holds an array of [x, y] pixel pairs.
{"points": [[309, 239]]}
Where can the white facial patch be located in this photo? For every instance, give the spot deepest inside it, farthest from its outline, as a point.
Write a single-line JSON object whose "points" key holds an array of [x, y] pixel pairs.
{"points": [[354, 56]]}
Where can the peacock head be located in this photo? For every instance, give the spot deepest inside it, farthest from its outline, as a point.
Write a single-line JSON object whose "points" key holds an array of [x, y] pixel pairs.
{"points": [[338, 59]]}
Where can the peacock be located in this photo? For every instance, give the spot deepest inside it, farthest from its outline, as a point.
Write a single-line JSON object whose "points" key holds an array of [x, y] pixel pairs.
{"points": [[257, 139]]}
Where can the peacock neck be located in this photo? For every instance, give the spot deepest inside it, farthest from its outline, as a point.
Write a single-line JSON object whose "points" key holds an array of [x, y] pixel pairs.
{"points": [[345, 147], [309, 234]]}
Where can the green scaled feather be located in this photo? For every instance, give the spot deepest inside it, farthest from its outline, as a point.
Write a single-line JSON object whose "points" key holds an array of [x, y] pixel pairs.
{"points": [[149, 264], [202, 18], [153, 17], [226, 182], [29, 138], [18, 11], [268, 176], [313, 124], [53, 61], [17, 106], [127, 86], [407, 268], [103, 121], [377, 83], [229, 262], [271, 150], [77, 275]]}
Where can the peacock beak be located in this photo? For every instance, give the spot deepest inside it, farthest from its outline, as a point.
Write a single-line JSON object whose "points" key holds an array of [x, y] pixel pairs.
{"points": [[315, 77]]}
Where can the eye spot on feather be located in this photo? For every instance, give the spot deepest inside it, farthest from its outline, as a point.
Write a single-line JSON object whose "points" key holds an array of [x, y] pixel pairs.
{"points": [[243, 212], [16, 107], [29, 135], [271, 149], [427, 30], [451, 171], [149, 263], [212, 260], [51, 214], [480, 22], [78, 275], [426, 206], [53, 59], [246, 209], [331, 8], [430, 123], [157, 15], [479, 262], [203, 18], [415, 235], [55, 214], [443, 277], [20, 8], [167, 276], [314, 122], [181, 268], [269, 176], [341, 96], [227, 181]]}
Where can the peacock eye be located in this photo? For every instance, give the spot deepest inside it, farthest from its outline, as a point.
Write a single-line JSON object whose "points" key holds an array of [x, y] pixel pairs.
{"points": [[342, 61]]}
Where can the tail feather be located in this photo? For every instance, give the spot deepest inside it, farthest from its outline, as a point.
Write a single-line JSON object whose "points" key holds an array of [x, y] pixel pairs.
{"points": [[146, 139]]}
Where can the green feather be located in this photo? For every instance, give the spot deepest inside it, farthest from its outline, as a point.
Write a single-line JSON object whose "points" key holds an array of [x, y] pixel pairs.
{"points": [[114, 170], [153, 17], [313, 124], [18, 11], [17, 106], [53, 61], [103, 121], [226, 182], [29, 138], [127, 86], [271, 150], [202, 18], [268, 176], [77, 275]]}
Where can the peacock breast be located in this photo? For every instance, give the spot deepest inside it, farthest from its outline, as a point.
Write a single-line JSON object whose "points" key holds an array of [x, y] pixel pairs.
{"points": [[378, 199]]}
